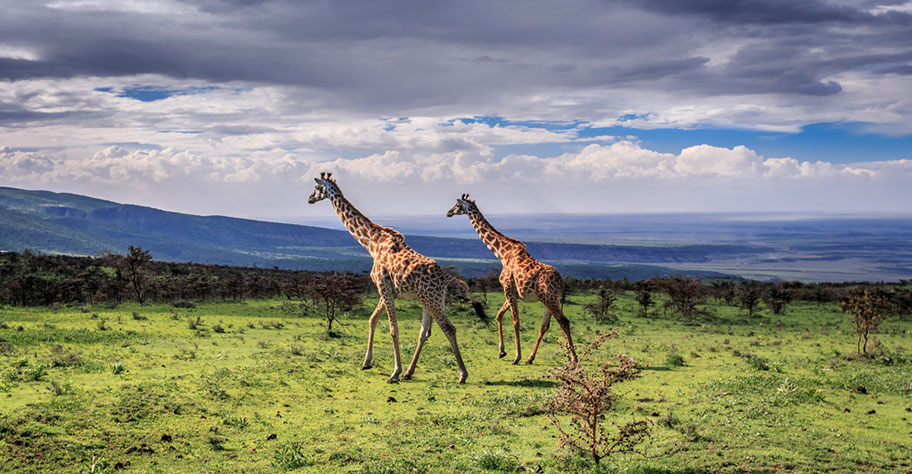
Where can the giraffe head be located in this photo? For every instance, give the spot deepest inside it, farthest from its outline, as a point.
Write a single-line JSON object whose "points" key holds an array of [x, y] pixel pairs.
{"points": [[464, 205], [325, 188]]}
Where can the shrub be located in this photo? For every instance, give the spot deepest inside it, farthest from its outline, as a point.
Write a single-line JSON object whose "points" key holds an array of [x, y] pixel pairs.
{"points": [[587, 396], [865, 311], [757, 362], [59, 389], [193, 324], [497, 461], [291, 456], [674, 359]]}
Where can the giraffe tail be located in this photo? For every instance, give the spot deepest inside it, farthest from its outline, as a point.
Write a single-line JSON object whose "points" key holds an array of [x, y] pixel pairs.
{"points": [[476, 305]]}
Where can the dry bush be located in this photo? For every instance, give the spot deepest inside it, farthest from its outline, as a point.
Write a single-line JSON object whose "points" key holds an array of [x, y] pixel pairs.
{"points": [[865, 311], [587, 395]]}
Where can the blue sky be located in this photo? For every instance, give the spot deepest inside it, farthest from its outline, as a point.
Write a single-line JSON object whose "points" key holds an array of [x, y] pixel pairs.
{"points": [[834, 142], [231, 107]]}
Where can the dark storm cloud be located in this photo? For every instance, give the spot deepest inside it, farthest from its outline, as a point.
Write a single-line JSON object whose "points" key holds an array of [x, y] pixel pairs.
{"points": [[761, 11], [398, 56]]}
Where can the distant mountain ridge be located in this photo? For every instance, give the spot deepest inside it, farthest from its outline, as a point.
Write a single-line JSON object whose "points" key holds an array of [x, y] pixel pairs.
{"points": [[63, 223]]}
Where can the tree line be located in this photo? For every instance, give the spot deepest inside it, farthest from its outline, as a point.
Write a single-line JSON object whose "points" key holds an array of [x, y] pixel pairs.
{"points": [[29, 279]]}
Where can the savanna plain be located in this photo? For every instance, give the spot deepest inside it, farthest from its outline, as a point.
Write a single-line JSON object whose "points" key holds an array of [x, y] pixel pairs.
{"points": [[259, 386]]}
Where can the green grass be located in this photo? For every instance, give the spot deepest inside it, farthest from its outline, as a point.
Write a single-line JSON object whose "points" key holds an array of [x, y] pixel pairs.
{"points": [[253, 389]]}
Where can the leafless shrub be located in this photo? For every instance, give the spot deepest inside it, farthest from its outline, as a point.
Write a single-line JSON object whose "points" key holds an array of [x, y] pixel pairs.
{"points": [[865, 311], [586, 395]]}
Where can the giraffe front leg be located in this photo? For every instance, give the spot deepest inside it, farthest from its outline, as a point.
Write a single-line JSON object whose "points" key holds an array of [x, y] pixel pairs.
{"points": [[450, 332], [514, 311], [423, 335], [369, 355], [390, 306], [499, 318]]}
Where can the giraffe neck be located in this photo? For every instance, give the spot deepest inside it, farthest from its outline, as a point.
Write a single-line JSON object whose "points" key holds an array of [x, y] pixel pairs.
{"points": [[359, 226], [496, 242]]}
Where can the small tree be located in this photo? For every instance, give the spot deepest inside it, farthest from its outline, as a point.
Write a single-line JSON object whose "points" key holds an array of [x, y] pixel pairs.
{"points": [[644, 297], [749, 297], [820, 294], [684, 296], [486, 282], [334, 294], [776, 297], [587, 396], [133, 270], [865, 311], [601, 309], [723, 290]]}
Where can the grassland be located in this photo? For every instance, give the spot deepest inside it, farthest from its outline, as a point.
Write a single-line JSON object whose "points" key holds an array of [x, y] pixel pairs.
{"points": [[256, 388]]}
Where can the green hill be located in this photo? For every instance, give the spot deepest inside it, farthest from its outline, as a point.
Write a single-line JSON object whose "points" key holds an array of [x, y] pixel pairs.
{"points": [[62, 223]]}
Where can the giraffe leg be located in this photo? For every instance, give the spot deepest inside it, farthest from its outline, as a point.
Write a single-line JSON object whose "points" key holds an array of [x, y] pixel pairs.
{"points": [[450, 332], [423, 336], [554, 308], [369, 355], [545, 324], [499, 319], [514, 311], [390, 305]]}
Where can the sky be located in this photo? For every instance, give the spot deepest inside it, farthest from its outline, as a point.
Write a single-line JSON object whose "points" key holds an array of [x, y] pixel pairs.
{"points": [[231, 107]]}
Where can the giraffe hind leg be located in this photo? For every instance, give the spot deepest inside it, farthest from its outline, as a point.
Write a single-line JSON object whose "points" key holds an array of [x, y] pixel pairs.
{"points": [[565, 327], [423, 334], [545, 324]]}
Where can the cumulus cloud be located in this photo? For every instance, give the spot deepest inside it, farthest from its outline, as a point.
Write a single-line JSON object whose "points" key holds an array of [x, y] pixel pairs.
{"points": [[227, 105]]}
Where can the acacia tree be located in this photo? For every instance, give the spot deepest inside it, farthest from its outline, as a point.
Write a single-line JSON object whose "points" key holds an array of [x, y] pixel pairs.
{"points": [[723, 290], [684, 295], [776, 297], [644, 296], [488, 281], [865, 311], [133, 270], [749, 297], [335, 293], [601, 309]]}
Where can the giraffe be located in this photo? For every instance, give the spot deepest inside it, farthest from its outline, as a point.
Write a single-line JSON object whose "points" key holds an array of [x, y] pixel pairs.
{"points": [[522, 277], [397, 271]]}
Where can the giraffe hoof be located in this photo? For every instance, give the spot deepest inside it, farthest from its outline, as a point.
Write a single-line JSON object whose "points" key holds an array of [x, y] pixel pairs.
{"points": [[406, 376], [462, 380], [393, 380], [366, 366], [502, 354], [516, 361], [529, 361]]}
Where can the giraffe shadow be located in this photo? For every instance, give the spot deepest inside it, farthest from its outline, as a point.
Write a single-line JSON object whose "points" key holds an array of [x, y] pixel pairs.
{"points": [[523, 383]]}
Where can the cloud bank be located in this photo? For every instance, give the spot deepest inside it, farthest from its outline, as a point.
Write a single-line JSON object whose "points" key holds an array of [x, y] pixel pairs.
{"points": [[229, 106]]}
